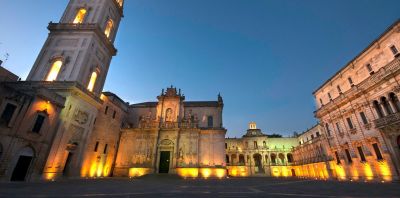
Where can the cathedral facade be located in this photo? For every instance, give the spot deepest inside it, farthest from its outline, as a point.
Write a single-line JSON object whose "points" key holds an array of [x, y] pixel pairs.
{"points": [[173, 136]]}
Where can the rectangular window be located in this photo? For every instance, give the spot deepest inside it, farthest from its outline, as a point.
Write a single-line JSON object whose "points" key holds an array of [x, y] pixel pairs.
{"points": [[210, 121], [329, 96], [38, 124], [312, 136], [348, 156], [106, 110], [318, 134], [114, 114], [377, 151], [361, 152], [363, 118], [8, 113], [328, 130], [105, 149], [338, 127], [337, 157], [255, 144], [96, 146], [226, 145], [339, 89], [350, 123], [320, 101], [350, 81], [394, 50], [369, 68]]}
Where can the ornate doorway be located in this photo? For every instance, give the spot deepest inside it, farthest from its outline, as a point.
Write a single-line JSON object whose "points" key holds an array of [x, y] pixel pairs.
{"points": [[164, 161], [67, 166]]}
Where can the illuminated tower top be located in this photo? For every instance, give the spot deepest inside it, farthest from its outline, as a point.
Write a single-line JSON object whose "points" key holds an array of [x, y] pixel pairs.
{"points": [[80, 47]]}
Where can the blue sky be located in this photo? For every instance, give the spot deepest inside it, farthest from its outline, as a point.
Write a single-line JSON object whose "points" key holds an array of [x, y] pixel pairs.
{"points": [[265, 57]]}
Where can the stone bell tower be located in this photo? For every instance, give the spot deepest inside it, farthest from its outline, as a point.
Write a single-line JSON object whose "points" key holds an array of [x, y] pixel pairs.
{"points": [[80, 47]]}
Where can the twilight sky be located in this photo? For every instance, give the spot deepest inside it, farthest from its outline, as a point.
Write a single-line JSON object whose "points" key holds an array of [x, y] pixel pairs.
{"points": [[265, 57]]}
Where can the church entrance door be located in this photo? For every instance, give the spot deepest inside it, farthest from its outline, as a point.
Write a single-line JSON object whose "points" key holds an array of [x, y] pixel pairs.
{"points": [[164, 161], [67, 165], [21, 169]]}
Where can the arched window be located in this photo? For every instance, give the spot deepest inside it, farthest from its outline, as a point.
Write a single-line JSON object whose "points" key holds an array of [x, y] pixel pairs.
{"points": [[109, 27], [273, 158], [80, 16], [241, 159], [282, 158], [92, 81], [233, 159], [395, 101], [386, 105], [54, 70], [290, 158], [120, 2], [378, 109]]}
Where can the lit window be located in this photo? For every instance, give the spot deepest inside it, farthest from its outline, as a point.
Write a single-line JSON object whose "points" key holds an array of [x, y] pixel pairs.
{"points": [[80, 16], [120, 2], [109, 27], [92, 81], [55, 69]]}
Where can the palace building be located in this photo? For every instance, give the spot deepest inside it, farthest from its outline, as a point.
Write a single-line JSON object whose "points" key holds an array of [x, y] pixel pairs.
{"points": [[257, 154], [359, 109]]}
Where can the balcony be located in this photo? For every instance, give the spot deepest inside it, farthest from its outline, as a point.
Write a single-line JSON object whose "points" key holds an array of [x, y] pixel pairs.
{"points": [[358, 89], [387, 120]]}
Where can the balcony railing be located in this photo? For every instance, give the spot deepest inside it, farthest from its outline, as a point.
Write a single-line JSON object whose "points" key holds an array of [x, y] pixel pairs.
{"points": [[387, 120], [362, 86]]}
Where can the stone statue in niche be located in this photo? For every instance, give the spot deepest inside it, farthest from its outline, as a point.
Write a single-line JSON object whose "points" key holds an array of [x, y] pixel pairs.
{"points": [[168, 115]]}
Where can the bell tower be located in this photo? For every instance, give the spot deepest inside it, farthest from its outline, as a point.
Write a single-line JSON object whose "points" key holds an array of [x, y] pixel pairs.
{"points": [[80, 46]]}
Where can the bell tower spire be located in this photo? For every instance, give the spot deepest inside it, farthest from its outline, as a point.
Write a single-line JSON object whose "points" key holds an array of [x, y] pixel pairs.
{"points": [[80, 46]]}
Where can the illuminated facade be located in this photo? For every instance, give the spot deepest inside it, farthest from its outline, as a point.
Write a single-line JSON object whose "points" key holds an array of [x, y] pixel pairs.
{"points": [[359, 110], [257, 154], [173, 136], [49, 121]]}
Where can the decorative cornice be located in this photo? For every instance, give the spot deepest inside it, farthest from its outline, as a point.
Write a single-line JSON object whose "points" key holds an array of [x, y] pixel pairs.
{"points": [[84, 27]]}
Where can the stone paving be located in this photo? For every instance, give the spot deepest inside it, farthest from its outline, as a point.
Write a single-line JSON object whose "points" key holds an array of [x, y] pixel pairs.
{"points": [[170, 186]]}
